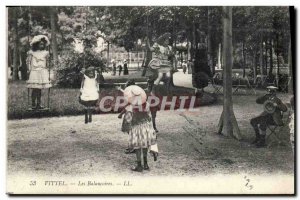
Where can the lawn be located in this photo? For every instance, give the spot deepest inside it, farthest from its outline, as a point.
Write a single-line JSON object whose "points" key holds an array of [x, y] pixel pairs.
{"points": [[64, 101]]}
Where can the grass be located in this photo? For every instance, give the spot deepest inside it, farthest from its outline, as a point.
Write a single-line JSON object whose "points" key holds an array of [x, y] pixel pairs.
{"points": [[64, 101]]}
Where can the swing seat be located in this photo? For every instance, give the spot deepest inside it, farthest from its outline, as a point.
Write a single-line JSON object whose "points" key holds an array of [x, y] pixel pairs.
{"points": [[40, 109]]}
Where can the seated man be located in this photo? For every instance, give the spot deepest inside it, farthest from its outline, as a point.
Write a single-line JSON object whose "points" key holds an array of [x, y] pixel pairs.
{"points": [[271, 115]]}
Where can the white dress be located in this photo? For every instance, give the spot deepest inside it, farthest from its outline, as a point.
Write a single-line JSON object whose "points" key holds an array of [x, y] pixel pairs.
{"points": [[39, 74], [89, 90]]}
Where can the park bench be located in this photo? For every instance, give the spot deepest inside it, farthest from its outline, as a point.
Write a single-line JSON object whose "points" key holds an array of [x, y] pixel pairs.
{"points": [[242, 83]]}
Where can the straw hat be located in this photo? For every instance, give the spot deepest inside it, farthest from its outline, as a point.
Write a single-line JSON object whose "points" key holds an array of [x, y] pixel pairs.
{"points": [[272, 88], [135, 95], [38, 38]]}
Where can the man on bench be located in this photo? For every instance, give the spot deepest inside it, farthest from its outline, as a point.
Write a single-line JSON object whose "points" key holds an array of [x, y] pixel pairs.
{"points": [[273, 107]]}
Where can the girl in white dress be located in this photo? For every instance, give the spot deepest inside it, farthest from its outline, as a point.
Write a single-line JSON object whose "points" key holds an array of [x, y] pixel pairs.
{"points": [[37, 62], [89, 92], [162, 54]]}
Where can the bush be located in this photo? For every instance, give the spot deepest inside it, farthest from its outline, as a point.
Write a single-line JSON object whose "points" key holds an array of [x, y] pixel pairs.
{"points": [[71, 63], [200, 80]]}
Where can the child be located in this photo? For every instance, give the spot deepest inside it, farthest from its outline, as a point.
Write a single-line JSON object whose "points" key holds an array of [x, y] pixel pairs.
{"points": [[37, 65], [89, 91], [141, 134]]}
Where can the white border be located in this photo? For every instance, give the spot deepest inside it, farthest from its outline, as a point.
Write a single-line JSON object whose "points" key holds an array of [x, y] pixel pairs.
{"points": [[3, 79]]}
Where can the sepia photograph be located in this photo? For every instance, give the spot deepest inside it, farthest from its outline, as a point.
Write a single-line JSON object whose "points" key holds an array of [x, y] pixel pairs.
{"points": [[152, 100]]}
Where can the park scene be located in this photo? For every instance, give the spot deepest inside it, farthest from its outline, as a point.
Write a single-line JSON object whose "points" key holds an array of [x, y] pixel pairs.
{"points": [[150, 91]]}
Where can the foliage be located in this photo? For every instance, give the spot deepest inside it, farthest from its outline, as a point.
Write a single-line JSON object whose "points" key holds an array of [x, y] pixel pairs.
{"points": [[72, 62], [124, 26]]}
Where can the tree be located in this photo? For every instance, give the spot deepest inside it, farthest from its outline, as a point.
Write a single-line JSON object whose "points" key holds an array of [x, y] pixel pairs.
{"points": [[228, 124], [15, 43], [53, 35]]}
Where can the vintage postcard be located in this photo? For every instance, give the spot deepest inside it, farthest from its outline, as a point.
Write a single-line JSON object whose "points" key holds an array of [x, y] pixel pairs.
{"points": [[150, 100]]}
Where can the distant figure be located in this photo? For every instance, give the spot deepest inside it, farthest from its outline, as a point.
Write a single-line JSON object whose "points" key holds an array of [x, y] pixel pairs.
{"points": [[184, 66], [271, 116], [114, 68], [37, 62], [125, 68], [120, 68]]}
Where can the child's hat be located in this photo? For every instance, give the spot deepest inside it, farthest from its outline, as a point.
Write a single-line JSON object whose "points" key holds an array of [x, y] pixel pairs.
{"points": [[135, 95], [272, 88], [39, 38]]}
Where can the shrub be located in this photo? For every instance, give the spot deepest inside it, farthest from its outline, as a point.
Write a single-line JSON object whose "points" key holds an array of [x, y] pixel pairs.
{"points": [[200, 80], [71, 63]]}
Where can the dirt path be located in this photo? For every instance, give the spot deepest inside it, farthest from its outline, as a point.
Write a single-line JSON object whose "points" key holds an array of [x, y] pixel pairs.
{"points": [[67, 146]]}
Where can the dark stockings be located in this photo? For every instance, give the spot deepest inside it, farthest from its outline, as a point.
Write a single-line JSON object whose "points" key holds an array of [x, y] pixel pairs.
{"points": [[145, 153], [138, 153], [88, 115], [36, 98]]}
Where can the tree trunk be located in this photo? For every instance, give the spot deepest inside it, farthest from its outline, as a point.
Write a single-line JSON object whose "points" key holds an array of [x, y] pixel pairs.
{"points": [[107, 54], [193, 41], [277, 58], [53, 35], [266, 56], [16, 43], [228, 125], [271, 58], [255, 66], [174, 64], [291, 53], [209, 44], [261, 51], [244, 61], [290, 86], [23, 56]]}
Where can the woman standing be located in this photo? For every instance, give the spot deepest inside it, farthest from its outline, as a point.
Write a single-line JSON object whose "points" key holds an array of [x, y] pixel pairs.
{"points": [[125, 68], [114, 67]]}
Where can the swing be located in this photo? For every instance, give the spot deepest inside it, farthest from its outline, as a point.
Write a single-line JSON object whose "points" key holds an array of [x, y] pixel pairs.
{"points": [[89, 106], [46, 106]]}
